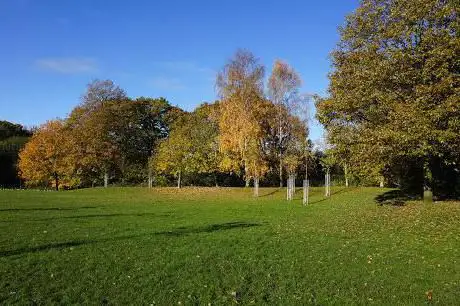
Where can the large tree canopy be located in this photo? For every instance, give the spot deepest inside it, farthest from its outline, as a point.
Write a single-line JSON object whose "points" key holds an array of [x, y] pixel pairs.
{"points": [[395, 84]]}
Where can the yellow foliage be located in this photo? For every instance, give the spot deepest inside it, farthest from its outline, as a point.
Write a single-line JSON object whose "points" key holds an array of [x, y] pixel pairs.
{"points": [[47, 157]]}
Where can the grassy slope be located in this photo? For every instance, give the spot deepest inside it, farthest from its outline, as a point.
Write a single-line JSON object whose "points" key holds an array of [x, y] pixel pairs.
{"points": [[142, 246]]}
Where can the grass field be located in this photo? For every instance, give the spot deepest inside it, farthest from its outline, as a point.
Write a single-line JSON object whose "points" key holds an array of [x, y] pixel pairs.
{"points": [[221, 246]]}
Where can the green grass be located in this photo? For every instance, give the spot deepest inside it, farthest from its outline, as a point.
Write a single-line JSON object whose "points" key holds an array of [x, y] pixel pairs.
{"points": [[221, 246]]}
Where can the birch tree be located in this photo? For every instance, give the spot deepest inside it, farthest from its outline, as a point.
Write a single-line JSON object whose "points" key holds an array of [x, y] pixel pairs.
{"points": [[283, 88], [240, 87]]}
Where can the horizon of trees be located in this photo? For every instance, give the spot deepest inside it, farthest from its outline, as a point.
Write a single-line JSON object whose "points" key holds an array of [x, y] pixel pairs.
{"points": [[391, 118], [111, 138], [13, 138]]}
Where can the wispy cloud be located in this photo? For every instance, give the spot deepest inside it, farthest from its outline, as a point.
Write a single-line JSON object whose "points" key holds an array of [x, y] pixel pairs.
{"points": [[179, 75], [69, 65], [167, 83]]}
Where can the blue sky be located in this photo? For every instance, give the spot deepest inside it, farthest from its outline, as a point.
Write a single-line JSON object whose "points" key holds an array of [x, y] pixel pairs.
{"points": [[52, 49]]}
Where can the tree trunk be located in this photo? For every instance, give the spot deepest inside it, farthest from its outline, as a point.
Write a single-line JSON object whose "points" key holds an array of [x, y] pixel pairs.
{"points": [[382, 183], [56, 181], [325, 184], [106, 179], [215, 180], [280, 151], [247, 178], [256, 186], [281, 172], [427, 178], [150, 178], [287, 189], [179, 180], [306, 168], [345, 170], [305, 192], [290, 186], [327, 180]]}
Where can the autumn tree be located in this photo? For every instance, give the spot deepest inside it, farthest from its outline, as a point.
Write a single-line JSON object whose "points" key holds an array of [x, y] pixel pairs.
{"points": [[46, 158], [118, 137], [204, 130], [294, 152], [90, 123], [97, 151], [303, 113], [240, 86], [173, 154], [100, 91], [191, 147], [396, 82], [283, 89]]}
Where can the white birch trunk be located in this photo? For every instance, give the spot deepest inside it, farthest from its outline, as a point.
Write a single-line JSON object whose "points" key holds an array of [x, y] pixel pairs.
{"points": [[305, 192], [179, 180], [106, 179], [150, 183], [346, 175]]}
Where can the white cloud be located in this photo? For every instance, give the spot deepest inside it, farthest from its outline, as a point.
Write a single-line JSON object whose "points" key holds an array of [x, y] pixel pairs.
{"points": [[70, 65]]}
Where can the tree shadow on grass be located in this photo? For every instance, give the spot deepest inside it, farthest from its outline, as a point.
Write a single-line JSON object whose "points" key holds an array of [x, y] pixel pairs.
{"points": [[45, 247], [47, 208], [108, 216], [177, 232], [93, 216], [394, 198], [341, 191], [270, 193], [344, 190], [181, 231]]}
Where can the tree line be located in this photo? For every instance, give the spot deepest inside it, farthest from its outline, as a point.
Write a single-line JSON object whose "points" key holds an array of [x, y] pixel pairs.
{"points": [[391, 116], [244, 137], [13, 137]]}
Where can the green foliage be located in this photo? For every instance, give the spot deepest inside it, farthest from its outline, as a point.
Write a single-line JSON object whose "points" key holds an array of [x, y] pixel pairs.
{"points": [[192, 145], [118, 137], [12, 139], [395, 85], [9, 129]]}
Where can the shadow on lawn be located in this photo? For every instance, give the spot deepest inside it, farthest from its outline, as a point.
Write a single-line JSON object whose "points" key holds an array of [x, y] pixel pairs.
{"points": [[95, 216], [180, 231], [49, 208], [45, 247], [341, 191], [270, 193], [393, 197], [344, 190], [108, 216]]}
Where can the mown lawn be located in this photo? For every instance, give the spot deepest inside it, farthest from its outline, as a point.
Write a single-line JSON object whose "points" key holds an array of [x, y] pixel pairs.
{"points": [[221, 246]]}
